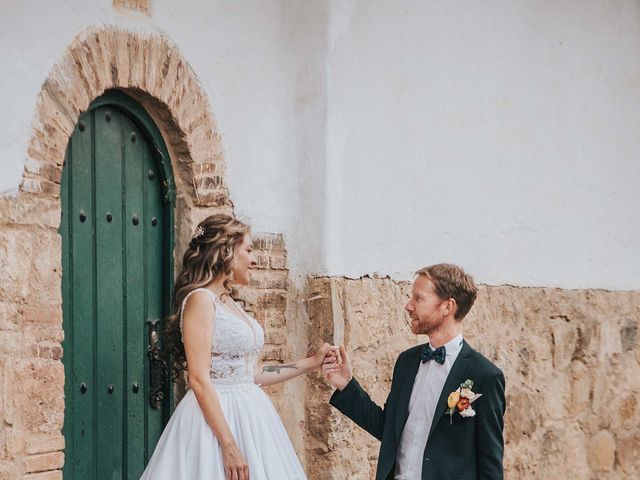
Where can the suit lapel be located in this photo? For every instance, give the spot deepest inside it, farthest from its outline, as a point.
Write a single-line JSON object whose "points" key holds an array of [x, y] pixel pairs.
{"points": [[454, 380], [405, 394]]}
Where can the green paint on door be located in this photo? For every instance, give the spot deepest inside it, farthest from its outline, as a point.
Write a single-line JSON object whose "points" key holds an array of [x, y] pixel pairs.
{"points": [[117, 207]]}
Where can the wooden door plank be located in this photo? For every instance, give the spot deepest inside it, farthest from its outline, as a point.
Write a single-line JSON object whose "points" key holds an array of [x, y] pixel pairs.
{"points": [[82, 313], [109, 302], [135, 331]]}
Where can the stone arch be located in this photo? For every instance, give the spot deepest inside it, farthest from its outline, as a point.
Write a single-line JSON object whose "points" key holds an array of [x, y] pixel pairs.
{"points": [[150, 68]]}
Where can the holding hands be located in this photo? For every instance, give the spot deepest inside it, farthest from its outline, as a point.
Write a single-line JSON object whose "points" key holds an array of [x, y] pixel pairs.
{"points": [[336, 368], [326, 351]]}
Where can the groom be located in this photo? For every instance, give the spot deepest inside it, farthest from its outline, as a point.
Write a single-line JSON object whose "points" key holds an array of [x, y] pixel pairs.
{"points": [[443, 418]]}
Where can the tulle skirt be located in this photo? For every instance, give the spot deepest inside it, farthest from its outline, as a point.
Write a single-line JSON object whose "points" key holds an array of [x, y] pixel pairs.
{"points": [[188, 449]]}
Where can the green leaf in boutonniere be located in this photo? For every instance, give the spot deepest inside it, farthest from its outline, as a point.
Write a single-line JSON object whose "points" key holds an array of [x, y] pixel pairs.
{"points": [[468, 383]]}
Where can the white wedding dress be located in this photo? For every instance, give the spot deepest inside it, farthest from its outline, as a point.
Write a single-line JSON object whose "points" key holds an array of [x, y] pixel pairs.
{"points": [[188, 449]]}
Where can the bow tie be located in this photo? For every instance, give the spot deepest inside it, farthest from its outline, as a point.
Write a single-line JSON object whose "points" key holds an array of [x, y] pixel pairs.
{"points": [[438, 354]]}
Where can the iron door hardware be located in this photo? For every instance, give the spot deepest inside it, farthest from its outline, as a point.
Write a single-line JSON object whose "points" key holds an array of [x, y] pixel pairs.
{"points": [[158, 372]]}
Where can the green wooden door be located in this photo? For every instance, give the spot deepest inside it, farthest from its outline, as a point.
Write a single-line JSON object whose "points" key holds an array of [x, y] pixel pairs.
{"points": [[116, 243]]}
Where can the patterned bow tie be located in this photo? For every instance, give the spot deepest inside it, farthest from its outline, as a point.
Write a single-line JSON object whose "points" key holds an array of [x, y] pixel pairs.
{"points": [[438, 354]]}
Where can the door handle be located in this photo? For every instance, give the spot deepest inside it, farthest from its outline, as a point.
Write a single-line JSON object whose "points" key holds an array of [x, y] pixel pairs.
{"points": [[158, 371]]}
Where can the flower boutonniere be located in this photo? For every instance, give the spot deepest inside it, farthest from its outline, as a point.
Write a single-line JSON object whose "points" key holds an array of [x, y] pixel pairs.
{"points": [[460, 400]]}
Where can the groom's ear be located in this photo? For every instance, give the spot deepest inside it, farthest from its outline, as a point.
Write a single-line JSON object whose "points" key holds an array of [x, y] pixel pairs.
{"points": [[450, 306]]}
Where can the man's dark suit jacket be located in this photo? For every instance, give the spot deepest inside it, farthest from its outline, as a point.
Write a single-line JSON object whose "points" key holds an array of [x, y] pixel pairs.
{"points": [[465, 449]]}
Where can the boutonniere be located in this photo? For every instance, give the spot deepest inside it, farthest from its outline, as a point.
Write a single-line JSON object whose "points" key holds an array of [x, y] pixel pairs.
{"points": [[460, 400]]}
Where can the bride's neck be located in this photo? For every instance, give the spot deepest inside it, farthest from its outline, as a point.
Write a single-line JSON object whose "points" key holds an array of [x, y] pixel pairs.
{"points": [[217, 286]]}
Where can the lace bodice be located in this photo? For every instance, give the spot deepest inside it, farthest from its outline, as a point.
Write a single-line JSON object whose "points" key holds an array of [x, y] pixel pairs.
{"points": [[235, 345]]}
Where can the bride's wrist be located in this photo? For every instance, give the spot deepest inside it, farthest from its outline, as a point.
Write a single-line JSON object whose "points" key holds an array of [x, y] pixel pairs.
{"points": [[227, 443], [308, 364]]}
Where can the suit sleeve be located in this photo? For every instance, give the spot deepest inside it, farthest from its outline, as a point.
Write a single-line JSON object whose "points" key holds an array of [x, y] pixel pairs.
{"points": [[489, 430], [354, 402]]}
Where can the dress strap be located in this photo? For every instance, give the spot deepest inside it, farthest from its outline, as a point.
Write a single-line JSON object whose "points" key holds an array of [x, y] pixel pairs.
{"points": [[214, 298]]}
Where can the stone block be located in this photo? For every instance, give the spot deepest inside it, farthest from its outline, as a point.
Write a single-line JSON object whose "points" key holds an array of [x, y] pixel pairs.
{"points": [[262, 260], [278, 262], [273, 353], [629, 408], [580, 387], [269, 279], [610, 341], [39, 384], [602, 452], [12, 343], [212, 199], [49, 350], [7, 411], [564, 335], [9, 471], [523, 416], [628, 455], [4, 448], [42, 314], [629, 335], [43, 462], [14, 443], [29, 209], [207, 168], [274, 337], [273, 299], [9, 316], [51, 475], [269, 242], [44, 332], [31, 264], [40, 186], [275, 319], [43, 443]]}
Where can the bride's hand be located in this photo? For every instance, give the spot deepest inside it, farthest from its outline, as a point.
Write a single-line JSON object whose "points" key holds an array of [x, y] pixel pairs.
{"points": [[324, 352], [235, 465]]}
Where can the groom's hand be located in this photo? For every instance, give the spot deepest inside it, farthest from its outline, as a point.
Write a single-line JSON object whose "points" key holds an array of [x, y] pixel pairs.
{"points": [[337, 371]]}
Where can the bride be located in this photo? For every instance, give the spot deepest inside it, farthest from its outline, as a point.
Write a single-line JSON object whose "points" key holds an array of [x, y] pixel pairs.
{"points": [[225, 427]]}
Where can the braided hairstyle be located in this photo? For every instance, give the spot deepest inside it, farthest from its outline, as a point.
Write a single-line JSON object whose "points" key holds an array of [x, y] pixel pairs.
{"points": [[210, 255]]}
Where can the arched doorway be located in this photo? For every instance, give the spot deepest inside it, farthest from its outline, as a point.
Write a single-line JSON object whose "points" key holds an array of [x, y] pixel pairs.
{"points": [[117, 200]]}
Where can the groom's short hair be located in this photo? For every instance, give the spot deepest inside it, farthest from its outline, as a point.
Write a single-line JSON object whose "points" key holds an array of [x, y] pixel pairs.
{"points": [[451, 281]]}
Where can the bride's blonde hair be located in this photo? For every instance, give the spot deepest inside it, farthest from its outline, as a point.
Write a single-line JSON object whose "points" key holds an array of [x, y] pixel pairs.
{"points": [[210, 255]]}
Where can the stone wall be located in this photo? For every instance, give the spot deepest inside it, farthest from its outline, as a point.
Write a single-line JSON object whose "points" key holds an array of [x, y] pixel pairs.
{"points": [[31, 373], [570, 357]]}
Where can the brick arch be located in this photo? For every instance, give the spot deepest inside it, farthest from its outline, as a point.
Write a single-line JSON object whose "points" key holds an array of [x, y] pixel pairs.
{"points": [[150, 68]]}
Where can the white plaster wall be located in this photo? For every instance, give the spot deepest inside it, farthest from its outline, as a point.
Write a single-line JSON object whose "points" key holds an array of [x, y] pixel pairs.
{"points": [[382, 136], [502, 136]]}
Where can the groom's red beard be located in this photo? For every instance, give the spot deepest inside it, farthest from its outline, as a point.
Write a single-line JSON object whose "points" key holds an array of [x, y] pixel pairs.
{"points": [[425, 325], [414, 321]]}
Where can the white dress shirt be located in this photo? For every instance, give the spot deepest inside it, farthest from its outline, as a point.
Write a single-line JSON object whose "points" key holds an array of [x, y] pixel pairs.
{"points": [[426, 391]]}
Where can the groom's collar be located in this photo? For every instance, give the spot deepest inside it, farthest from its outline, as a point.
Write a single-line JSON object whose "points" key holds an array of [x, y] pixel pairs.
{"points": [[454, 345]]}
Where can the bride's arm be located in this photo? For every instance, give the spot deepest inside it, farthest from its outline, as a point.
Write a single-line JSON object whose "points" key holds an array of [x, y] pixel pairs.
{"points": [[197, 332], [271, 374]]}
